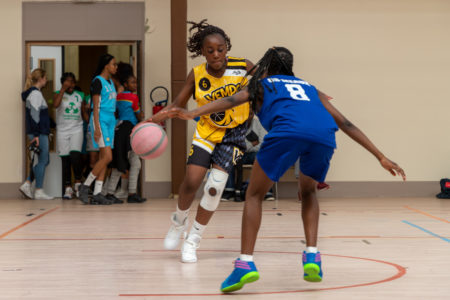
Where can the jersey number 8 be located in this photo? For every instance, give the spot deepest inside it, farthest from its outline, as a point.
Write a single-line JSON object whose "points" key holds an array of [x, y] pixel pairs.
{"points": [[297, 92]]}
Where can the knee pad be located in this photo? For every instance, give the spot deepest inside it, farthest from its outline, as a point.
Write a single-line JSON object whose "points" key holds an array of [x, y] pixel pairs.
{"points": [[213, 189]]}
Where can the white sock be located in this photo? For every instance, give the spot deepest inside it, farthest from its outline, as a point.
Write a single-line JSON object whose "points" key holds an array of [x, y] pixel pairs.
{"points": [[181, 215], [246, 257], [197, 229], [98, 187], [311, 249], [90, 179]]}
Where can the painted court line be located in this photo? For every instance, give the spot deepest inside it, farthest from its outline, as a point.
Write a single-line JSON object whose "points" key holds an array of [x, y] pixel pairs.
{"points": [[426, 214], [400, 271], [27, 222], [427, 231]]}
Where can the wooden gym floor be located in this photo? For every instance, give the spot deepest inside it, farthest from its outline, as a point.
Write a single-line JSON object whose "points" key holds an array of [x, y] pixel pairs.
{"points": [[378, 248]]}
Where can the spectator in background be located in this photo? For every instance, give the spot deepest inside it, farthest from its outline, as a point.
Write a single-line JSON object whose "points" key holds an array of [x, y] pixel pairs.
{"points": [[102, 123], [126, 164], [37, 128], [69, 132], [253, 139], [93, 151]]}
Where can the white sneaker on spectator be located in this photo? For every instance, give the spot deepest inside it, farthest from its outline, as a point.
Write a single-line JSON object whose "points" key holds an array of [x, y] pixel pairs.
{"points": [[40, 195], [174, 234], [121, 194], [189, 249], [68, 193], [25, 189]]}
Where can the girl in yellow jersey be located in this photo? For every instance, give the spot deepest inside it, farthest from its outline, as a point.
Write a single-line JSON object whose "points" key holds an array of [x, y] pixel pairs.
{"points": [[218, 141]]}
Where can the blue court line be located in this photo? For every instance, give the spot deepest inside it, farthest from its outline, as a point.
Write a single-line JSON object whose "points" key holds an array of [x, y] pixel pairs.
{"points": [[427, 231]]}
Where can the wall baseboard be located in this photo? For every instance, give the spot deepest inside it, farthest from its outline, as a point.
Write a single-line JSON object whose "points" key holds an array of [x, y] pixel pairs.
{"points": [[367, 189], [339, 189]]}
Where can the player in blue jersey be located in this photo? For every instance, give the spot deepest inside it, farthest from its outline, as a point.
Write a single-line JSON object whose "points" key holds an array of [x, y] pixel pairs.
{"points": [[102, 123], [301, 123]]}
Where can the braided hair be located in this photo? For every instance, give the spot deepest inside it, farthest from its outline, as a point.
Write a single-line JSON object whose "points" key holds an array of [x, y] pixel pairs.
{"points": [[203, 30], [276, 61]]}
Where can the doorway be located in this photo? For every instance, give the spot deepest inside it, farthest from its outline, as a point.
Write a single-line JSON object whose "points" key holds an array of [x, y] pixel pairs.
{"points": [[80, 59]]}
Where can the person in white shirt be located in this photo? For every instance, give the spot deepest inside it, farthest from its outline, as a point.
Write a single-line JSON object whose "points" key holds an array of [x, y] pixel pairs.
{"points": [[69, 131]]}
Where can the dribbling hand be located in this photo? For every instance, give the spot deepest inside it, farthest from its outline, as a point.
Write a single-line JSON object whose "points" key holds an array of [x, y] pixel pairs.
{"points": [[392, 167]]}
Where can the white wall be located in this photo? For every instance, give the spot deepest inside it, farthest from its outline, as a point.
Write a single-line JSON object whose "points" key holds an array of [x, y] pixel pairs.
{"points": [[385, 62]]}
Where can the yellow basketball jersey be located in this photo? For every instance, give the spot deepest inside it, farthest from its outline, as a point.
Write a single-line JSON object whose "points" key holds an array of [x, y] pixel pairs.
{"points": [[209, 88]]}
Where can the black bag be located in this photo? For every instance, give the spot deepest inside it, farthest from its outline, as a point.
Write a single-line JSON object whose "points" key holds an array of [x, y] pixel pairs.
{"points": [[445, 189]]}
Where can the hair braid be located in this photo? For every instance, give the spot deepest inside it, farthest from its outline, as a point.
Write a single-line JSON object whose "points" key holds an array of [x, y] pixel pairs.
{"points": [[203, 29], [276, 60]]}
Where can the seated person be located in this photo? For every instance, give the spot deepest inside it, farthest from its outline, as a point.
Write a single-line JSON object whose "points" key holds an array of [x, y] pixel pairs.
{"points": [[253, 139]]}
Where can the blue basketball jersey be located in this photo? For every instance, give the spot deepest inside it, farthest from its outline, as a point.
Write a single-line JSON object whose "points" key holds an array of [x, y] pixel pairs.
{"points": [[292, 108], [107, 95]]}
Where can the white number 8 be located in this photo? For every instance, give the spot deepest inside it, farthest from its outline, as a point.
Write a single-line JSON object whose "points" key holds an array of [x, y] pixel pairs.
{"points": [[297, 92]]}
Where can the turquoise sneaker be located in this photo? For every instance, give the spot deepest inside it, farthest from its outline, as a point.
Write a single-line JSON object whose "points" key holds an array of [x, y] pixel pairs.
{"points": [[244, 272], [312, 267]]}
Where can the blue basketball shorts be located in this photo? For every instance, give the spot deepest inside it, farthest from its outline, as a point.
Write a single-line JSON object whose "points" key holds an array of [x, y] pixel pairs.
{"points": [[277, 155], [107, 126]]}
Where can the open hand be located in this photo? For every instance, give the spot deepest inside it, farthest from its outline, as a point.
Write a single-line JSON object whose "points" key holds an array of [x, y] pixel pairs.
{"points": [[392, 167]]}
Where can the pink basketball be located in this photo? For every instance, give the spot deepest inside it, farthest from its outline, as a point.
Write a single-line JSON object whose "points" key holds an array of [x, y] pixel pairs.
{"points": [[148, 140]]}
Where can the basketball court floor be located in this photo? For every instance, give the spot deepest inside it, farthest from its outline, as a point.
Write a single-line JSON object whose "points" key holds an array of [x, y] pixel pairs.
{"points": [[377, 248]]}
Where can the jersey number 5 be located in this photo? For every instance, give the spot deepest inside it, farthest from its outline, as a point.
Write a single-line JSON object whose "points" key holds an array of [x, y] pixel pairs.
{"points": [[297, 92]]}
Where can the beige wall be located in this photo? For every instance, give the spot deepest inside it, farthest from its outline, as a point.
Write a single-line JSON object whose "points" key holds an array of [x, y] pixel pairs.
{"points": [[385, 62], [11, 122]]}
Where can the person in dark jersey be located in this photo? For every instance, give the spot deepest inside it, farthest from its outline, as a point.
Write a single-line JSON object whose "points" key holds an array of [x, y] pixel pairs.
{"points": [[301, 123]]}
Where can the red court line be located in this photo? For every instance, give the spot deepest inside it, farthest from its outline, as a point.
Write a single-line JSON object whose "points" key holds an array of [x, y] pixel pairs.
{"points": [[27, 222], [426, 214], [400, 272], [215, 238]]}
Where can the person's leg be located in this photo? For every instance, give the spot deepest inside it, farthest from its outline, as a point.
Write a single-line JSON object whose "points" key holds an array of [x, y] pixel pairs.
{"points": [[39, 169], [191, 182], [314, 164], [135, 167], [244, 268], [312, 264], [209, 202], [66, 177], [251, 219], [43, 160], [97, 174], [310, 209]]}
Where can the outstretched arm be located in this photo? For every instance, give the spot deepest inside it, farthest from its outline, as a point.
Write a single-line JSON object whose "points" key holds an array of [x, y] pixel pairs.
{"points": [[358, 136], [180, 100], [212, 107]]}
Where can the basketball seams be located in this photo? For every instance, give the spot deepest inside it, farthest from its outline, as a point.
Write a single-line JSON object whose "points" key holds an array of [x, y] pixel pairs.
{"points": [[156, 147]]}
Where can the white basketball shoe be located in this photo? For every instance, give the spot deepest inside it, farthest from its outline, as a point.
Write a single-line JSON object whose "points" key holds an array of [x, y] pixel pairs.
{"points": [[189, 249], [174, 234]]}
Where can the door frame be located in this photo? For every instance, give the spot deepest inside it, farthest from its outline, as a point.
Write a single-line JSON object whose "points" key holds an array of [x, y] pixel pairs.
{"points": [[138, 68]]}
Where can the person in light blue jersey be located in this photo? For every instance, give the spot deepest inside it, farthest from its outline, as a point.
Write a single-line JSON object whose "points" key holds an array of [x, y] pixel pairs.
{"points": [[102, 123], [301, 123]]}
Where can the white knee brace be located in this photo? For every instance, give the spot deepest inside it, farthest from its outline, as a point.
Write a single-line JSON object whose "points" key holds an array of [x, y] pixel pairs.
{"points": [[213, 189]]}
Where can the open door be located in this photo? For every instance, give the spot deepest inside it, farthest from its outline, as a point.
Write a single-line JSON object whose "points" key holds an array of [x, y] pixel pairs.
{"points": [[81, 59]]}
